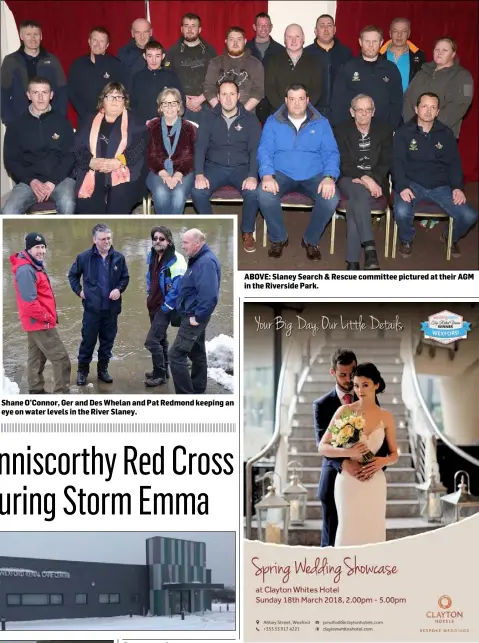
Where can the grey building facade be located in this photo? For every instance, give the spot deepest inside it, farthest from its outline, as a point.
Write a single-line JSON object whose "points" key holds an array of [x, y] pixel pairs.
{"points": [[174, 579]]}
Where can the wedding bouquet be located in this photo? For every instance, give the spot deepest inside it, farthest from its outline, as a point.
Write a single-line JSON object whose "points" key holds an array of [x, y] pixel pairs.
{"points": [[347, 430]]}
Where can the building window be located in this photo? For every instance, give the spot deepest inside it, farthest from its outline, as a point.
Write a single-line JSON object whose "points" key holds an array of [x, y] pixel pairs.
{"points": [[112, 599], [14, 599], [103, 598], [56, 599], [135, 598], [115, 598], [35, 599], [81, 599]]}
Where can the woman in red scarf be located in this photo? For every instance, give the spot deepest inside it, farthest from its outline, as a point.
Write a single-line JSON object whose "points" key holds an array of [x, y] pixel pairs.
{"points": [[110, 157]]}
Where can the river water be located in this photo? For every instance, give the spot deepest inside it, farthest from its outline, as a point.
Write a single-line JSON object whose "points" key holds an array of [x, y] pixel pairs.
{"points": [[68, 237]]}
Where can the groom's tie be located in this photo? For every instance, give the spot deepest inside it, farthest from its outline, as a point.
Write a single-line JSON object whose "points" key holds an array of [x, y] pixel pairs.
{"points": [[347, 399]]}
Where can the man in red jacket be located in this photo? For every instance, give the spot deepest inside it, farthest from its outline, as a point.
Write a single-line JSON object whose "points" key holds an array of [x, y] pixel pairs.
{"points": [[38, 316]]}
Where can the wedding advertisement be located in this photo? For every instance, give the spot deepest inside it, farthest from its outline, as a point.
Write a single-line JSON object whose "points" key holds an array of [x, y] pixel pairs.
{"points": [[361, 482]]}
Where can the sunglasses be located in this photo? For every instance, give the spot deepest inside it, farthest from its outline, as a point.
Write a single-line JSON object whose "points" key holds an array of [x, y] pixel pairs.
{"points": [[159, 239]]}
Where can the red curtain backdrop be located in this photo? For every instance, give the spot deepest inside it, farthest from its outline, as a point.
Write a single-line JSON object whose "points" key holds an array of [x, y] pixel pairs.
{"points": [[429, 20], [216, 17]]}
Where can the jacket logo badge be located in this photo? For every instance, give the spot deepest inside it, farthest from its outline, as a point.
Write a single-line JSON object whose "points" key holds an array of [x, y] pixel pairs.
{"points": [[416, 59], [355, 77], [312, 131], [47, 62], [106, 75], [386, 79], [238, 128], [413, 145], [56, 136], [439, 146], [115, 267]]}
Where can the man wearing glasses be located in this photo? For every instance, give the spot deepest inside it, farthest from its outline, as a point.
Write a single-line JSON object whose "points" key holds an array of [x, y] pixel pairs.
{"points": [[150, 82], [365, 148], [104, 274], [166, 268]]}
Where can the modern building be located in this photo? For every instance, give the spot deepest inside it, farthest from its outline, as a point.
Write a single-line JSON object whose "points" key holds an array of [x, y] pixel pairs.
{"points": [[174, 579]]}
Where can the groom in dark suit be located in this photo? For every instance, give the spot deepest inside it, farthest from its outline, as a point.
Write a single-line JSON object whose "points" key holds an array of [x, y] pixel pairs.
{"points": [[343, 364]]}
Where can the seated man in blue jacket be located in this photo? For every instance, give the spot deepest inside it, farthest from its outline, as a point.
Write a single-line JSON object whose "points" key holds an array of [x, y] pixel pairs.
{"points": [[38, 154], [427, 166], [297, 153], [105, 278], [197, 299], [225, 154], [166, 268]]}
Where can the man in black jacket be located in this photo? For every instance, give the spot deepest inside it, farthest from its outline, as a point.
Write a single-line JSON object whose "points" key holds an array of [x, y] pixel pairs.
{"points": [[262, 47], [293, 65], [189, 58], [148, 83], [89, 74], [427, 166], [331, 55], [225, 154], [31, 60], [372, 75], [365, 149], [105, 278], [131, 54], [38, 154]]}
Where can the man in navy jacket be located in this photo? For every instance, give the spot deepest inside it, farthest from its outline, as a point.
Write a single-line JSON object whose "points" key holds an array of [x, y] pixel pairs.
{"points": [[197, 299], [370, 74], [105, 278], [131, 54], [297, 153], [427, 166], [225, 154], [38, 154]]}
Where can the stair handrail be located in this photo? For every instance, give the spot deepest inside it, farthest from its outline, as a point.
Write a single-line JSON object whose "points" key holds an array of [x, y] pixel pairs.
{"points": [[271, 446], [436, 433]]}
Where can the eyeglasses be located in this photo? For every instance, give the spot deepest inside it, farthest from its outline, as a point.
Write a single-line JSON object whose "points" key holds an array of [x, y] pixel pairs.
{"points": [[159, 239], [111, 97], [368, 110], [173, 103]]}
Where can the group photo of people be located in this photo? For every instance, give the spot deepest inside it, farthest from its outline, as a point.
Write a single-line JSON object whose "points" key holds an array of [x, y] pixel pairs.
{"points": [[170, 123], [124, 306]]}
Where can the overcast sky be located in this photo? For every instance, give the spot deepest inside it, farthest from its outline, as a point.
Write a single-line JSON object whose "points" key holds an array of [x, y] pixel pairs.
{"points": [[118, 547]]}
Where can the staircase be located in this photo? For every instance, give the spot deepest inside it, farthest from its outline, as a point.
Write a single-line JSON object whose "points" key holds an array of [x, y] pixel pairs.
{"points": [[402, 512]]}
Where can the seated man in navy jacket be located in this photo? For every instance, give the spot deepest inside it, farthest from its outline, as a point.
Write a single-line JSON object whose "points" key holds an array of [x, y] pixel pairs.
{"points": [[343, 364], [427, 166]]}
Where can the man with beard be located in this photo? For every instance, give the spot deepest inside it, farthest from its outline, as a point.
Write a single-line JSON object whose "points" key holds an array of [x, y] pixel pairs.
{"points": [[190, 57], [343, 365], [105, 278], [166, 268], [38, 316], [236, 63], [89, 74]]}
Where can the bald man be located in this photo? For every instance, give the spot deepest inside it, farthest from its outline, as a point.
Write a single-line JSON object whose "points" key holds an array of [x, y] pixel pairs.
{"points": [[290, 66], [131, 54], [196, 302]]}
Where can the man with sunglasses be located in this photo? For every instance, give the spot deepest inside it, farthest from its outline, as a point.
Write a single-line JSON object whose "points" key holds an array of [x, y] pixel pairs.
{"points": [[166, 268]]}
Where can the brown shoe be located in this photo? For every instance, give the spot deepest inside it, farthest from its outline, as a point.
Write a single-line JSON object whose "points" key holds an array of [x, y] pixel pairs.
{"points": [[249, 244], [455, 250], [275, 249], [405, 249], [312, 252]]}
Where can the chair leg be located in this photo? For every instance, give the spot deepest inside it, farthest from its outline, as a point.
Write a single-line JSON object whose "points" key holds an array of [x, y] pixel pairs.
{"points": [[395, 238], [333, 234], [265, 234], [150, 201], [388, 232], [449, 239], [254, 231], [144, 205]]}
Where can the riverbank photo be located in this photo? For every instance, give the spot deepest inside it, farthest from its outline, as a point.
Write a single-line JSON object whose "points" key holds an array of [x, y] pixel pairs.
{"points": [[118, 305]]}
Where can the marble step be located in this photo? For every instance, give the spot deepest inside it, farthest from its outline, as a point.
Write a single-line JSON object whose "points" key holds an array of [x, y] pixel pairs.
{"points": [[322, 384], [310, 475], [396, 490], [315, 459], [308, 444], [306, 429], [394, 509], [305, 400], [304, 413], [385, 363]]}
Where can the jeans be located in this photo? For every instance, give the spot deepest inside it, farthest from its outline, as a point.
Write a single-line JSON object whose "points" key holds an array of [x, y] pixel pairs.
{"points": [[168, 201], [359, 225], [196, 117], [101, 325], [220, 176], [22, 197], [464, 216], [270, 206], [157, 342], [189, 342]]}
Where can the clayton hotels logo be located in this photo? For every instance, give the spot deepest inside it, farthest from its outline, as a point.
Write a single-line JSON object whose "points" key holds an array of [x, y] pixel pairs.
{"points": [[445, 614]]}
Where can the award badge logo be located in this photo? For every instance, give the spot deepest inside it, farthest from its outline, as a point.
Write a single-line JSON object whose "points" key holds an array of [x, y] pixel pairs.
{"points": [[413, 145], [355, 76], [439, 146], [445, 327], [56, 136]]}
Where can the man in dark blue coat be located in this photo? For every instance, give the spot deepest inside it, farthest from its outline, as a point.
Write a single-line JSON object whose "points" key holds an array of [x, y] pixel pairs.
{"points": [[131, 54], [343, 364], [331, 54], [105, 278], [196, 302]]}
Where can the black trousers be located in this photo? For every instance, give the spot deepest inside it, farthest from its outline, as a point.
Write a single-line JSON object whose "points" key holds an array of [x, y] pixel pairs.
{"points": [[189, 343], [157, 342], [107, 200], [102, 325], [326, 495]]}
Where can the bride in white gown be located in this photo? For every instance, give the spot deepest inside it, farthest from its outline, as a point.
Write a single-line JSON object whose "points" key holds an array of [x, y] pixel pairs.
{"points": [[360, 490]]}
